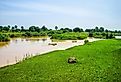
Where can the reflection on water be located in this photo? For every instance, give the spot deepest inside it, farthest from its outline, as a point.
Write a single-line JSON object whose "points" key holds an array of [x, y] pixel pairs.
{"points": [[29, 39], [3, 44]]}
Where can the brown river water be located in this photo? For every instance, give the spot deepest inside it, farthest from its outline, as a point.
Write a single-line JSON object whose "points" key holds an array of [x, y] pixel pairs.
{"points": [[15, 50]]}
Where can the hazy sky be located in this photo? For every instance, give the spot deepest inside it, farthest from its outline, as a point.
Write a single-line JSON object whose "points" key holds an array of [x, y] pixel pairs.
{"points": [[63, 13]]}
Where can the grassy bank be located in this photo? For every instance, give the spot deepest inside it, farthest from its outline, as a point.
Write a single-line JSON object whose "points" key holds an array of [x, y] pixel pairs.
{"points": [[97, 62]]}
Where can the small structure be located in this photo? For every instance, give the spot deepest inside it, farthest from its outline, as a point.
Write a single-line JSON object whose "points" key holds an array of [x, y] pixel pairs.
{"points": [[118, 37], [72, 60], [52, 44]]}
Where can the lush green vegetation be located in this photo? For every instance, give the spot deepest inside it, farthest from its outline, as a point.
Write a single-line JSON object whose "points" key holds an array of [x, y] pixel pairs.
{"points": [[62, 33], [104, 35], [4, 37], [97, 62], [25, 34], [70, 36]]}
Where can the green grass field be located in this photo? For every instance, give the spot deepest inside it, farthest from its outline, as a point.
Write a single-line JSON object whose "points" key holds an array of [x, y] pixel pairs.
{"points": [[97, 62]]}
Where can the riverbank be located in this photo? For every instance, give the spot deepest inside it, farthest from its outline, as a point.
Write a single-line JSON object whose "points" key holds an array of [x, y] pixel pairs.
{"points": [[19, 48], [96, 62]]}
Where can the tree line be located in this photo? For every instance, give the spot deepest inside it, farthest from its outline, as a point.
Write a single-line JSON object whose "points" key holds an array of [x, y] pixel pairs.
{"points": [[7, 32], [44, 28]]}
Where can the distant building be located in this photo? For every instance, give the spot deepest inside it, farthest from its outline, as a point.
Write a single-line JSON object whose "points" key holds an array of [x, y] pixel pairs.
{"points": [[118, 37]]}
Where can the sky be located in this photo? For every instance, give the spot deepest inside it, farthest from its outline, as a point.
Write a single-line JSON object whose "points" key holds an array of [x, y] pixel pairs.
{"points": [[62, 13]]}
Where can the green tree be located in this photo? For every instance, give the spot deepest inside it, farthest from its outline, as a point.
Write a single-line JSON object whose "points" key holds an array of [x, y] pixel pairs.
{"points": [[111, 36], [37, 29], [81, 30], [56, 27], [106, 30], [44, 28], [1, 28], [68, 29], [9, 26], [107, 36], [101, 29], [16, 26], [5, 28], [88, 30], [64, 30], [32, 28], [96, 29], [22, 28], [77, 29], [90, 34], [13, 29]]}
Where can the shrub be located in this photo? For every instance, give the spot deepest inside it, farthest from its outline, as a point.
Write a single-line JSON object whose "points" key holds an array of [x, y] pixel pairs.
{"points": [[4, 37], [98, 36], [69, 36], [28, 34], [43, 34], [86, 41], [90, 34], [14, 35]]}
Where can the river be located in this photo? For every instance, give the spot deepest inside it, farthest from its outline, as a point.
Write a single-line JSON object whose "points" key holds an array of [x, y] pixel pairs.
{"points": [[17, 49]]}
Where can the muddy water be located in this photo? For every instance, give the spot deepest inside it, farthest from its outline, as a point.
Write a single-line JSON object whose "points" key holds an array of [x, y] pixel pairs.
{"points": [[16, 49]]}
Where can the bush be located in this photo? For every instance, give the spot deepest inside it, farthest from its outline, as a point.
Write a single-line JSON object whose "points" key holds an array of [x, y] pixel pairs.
{"points": [[28, 34], [69, 36], [98, 36], [90, 34], [14, 35], [4, 37], [86, 41], [43, 34]]}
